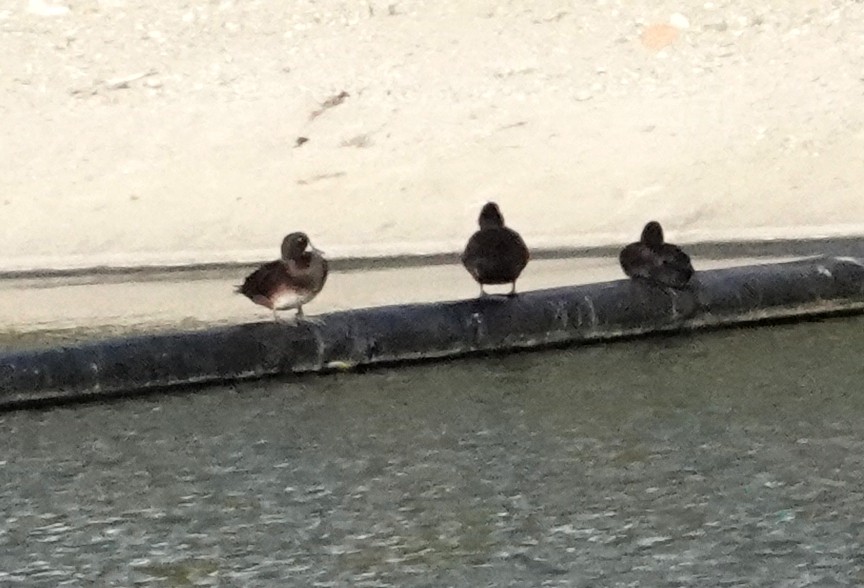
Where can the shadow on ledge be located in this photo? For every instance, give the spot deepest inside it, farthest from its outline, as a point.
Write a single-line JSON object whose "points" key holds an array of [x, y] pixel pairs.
{"points": [[404, 333]]}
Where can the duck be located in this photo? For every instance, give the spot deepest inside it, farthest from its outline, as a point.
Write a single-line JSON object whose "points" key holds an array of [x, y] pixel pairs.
{"points": [[652, 259], [495, 254], [290, 282]]}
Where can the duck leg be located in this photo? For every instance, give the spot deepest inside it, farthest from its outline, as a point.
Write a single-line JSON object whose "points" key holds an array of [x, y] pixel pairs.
{"points": [[483, 293], [512, 289], [302, 317]]}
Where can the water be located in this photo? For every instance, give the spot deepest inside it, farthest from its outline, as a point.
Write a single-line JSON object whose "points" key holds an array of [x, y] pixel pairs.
{"points": [[722, 459]]}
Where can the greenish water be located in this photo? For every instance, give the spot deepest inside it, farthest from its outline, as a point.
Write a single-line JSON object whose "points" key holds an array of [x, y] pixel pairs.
{"points": [[713, 459]]}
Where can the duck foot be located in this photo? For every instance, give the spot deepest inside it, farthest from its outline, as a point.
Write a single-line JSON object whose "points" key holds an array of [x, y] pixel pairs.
{"points": [[312, 320]]}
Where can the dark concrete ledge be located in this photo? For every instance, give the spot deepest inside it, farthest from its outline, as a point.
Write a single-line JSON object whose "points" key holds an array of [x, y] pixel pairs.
{"points": [[390, 334]]}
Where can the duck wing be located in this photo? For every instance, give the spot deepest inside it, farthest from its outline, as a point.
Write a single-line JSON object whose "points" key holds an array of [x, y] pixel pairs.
{"points": [[676, 268], [265, 280], [637, 261], [674, 257]]}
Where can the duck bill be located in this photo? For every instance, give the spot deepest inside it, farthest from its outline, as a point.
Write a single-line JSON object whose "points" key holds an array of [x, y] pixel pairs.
{"points": [[315, 249]]}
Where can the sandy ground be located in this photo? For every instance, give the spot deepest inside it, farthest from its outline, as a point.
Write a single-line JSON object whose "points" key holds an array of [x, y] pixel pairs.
{"points": [[166, 133]]}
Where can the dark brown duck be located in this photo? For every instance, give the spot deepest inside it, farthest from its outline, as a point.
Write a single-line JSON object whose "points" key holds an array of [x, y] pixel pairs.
{"points": [[289, 282], [495, 254], [654, 260]]}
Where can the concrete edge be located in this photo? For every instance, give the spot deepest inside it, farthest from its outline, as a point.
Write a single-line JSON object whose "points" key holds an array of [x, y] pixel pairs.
{"points": [[414, 332], [834, 246]]}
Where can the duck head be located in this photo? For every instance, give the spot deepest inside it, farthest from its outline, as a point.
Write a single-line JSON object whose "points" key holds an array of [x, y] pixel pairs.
{"points": [[652, 234], [490, 217], [294, 245]]}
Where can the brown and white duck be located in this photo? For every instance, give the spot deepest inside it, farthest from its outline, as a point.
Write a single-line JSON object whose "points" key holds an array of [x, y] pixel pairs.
{"points": [[289, 282]]}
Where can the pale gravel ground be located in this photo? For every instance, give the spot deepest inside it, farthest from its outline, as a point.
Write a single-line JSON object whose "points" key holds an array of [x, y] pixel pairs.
{"points": [[749, 126], [718, 459]]}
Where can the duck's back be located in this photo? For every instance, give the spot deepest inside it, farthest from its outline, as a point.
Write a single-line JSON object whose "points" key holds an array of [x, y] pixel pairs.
{"points": [[636, 261], [675, 269], [265, 281], [495, 255], [667, 265]]}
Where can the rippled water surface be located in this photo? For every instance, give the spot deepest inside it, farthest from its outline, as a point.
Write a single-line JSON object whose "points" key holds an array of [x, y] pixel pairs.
{"points": [[719, 459]]}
